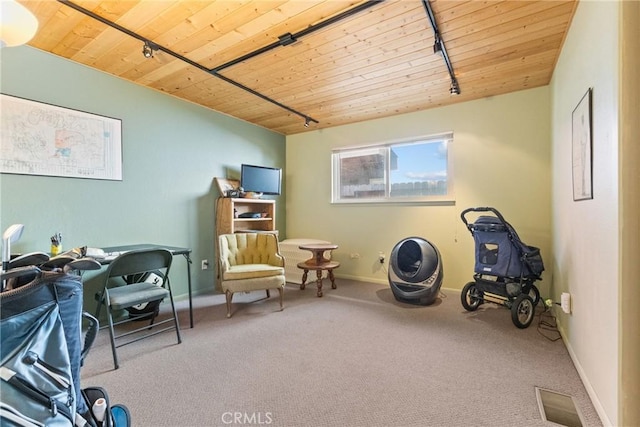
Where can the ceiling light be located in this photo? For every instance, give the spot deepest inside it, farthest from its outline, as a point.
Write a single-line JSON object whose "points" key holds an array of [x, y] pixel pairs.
{"points": [[147, 49], [150, 47], [437, 45], [17, 24], [306, 122]]}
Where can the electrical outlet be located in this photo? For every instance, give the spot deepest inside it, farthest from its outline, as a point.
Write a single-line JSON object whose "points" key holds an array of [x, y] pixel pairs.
{"points": [[565, 302], [205, 264], [381, 257], [354, 255]]}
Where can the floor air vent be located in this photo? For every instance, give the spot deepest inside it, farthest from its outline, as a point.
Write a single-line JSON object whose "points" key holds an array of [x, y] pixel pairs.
{"points": [[558, 408]]}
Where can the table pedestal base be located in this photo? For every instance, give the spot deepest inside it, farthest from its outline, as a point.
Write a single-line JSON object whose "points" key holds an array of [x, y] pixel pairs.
{"points": [[329, 266]]}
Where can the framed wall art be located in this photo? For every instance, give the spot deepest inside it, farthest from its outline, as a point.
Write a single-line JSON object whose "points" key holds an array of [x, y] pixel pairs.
{"points": [[44, 139], [582, 149], [227, 187]]}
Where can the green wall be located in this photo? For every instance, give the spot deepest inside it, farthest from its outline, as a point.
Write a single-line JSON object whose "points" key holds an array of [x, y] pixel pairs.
{"points": [[172, 150]]}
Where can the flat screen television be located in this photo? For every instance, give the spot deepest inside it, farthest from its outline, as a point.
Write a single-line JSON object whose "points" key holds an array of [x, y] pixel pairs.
{"points": [[261, 179]]}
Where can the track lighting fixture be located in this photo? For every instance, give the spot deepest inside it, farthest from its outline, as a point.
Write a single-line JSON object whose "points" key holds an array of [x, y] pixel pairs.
{"points": [[437, 45], [308, 120], [454, 89], [284, 40], [148, 48]]}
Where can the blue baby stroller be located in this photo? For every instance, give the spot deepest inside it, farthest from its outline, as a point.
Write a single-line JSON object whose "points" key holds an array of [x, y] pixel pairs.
{"points": [[505, 268]]}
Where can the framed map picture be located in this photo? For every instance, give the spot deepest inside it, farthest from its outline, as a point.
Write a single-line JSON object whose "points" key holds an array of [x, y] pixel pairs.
{"points": [[582, 150], [44, 139]]}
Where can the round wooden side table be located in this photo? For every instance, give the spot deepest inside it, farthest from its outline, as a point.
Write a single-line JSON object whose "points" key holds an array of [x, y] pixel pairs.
{"points": [[318, 263]]}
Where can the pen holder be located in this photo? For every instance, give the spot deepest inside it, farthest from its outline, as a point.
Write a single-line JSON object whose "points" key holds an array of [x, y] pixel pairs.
{"points": [[56, 249]]}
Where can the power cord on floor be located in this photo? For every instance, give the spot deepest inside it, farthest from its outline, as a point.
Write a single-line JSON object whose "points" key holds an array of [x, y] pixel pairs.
{"points": [[548, 326]]}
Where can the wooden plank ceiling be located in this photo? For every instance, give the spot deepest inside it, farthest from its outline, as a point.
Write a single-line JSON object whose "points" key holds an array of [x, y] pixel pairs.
{"points": [[376, 63]]}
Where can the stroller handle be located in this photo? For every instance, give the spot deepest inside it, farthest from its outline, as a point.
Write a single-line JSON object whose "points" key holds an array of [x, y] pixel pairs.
{"points": [[481, 209]]}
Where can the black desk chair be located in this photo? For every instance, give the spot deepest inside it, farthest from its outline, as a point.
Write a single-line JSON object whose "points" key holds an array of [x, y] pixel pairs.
{"points": [[119, 295]]}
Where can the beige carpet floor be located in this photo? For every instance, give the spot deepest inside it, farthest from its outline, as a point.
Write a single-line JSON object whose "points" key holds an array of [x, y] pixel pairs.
{"points": [[355, 357]]}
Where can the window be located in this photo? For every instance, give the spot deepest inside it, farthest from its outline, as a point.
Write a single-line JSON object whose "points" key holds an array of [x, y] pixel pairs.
{"points": [[407, 171]]}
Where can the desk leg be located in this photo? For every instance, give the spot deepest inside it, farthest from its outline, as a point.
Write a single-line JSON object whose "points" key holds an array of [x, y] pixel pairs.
{"points": [[188, 258]]}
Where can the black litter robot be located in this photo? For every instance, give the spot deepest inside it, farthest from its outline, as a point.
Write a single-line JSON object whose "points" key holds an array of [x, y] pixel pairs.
{"points": [[415, 271]]}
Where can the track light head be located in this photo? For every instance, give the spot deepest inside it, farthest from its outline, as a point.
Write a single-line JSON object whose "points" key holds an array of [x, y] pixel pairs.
{"points": [[437, 45], [306, 122], [454, 89], [148, 48]]}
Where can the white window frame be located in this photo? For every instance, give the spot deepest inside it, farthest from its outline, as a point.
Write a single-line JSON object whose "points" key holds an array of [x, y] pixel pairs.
{"points": [[340, 153]]}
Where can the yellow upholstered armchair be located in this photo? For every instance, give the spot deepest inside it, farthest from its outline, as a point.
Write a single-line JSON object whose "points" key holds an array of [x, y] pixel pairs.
{"points": [[250, 262]]}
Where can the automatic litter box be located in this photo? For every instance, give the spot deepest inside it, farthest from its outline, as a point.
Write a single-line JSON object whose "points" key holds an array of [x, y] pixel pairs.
{"points": [[415, 273]]}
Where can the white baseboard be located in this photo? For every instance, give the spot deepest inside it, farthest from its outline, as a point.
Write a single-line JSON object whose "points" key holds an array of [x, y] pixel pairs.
{"points": [[361, 279], [585, 380]]}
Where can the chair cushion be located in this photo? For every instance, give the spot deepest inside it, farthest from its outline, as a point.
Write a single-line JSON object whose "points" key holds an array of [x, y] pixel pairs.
{"points": [[248, 285], [135, 293], [251, 271]]}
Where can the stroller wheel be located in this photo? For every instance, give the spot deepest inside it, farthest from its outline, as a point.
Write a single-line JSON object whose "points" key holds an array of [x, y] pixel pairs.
{"points": [[471, 297], [522, 311], [534, 293]]}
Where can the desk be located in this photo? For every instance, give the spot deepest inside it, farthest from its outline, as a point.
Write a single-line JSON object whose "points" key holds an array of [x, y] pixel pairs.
{"points": [[186, 252], [318, 263]]}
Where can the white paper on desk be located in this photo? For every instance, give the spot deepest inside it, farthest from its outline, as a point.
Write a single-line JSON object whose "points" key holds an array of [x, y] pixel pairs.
{"points": [[96, 253]]}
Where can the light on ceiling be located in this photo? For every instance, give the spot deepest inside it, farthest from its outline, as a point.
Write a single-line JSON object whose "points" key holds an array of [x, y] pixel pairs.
{"points": [[437, 45], [306, 122], [147, 50], [17, 24]]}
